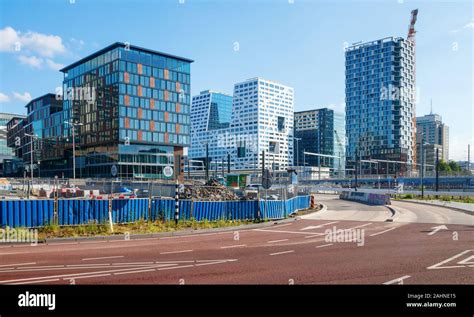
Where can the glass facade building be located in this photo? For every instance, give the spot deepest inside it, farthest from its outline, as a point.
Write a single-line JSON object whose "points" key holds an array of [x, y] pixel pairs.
{"points": [[133, 108], [320, 131], [380, 103]]}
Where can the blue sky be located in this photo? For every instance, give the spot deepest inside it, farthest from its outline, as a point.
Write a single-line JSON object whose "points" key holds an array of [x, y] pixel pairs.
{"points": [[299, 44]]}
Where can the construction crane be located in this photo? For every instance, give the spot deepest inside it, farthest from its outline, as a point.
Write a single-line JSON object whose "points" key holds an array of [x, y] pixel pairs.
{"points": [[411, 29]]}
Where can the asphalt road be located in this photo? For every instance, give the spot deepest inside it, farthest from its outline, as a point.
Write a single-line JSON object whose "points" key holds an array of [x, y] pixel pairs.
{"points": [[406, 250]]}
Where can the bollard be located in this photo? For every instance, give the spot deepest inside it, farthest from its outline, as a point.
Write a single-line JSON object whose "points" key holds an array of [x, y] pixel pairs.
{"points": [[176, 203]]}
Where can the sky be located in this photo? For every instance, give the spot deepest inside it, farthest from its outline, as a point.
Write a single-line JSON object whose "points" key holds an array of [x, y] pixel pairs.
{"points": [[299, 43]]}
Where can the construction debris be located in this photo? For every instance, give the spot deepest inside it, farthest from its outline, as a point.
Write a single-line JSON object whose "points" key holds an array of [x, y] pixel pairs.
{"points": [[211, 191]]}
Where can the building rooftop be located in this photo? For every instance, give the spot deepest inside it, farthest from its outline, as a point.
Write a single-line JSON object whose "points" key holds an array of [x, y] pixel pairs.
{"points": [[120, 44], [361, 44]]}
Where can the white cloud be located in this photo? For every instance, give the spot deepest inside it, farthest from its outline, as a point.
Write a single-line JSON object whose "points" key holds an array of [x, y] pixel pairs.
{"points": [[4, 98], [25, 97], [32, 61], [470, 25], [53, 65], [42, 44]]}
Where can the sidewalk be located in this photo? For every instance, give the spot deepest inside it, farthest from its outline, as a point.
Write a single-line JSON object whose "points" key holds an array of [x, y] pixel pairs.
{"points": [[450, 204]]}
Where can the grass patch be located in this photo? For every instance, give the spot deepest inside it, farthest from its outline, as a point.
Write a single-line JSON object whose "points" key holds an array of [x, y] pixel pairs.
{"points": [[139, 227], [459, 199]]}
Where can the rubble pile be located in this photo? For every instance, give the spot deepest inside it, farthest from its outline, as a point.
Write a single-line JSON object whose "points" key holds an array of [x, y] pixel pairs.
{"points": [[211, 191]]}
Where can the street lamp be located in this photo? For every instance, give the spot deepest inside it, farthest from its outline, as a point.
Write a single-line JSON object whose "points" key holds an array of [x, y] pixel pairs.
{"points": [[32, 137], [297, 151], [73, 124]]}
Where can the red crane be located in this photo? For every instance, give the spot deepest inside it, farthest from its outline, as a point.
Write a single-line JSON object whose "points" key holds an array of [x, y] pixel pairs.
{"points": [[411, 29]]}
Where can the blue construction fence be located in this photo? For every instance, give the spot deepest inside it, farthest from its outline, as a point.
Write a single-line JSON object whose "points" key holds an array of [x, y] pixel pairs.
{"points": [[36, 213]]}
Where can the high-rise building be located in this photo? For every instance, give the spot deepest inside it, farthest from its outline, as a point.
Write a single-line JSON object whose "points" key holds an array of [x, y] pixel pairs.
{"points": [[380, 104], [320, 131], [432, 130], [261, 120], [130, 106]]}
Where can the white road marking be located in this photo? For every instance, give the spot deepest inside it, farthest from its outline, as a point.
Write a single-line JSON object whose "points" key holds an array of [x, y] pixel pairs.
{"points": [[397, 280], [364, 225], [18, 264], [324, 245], [33, 282], [131, 272], [467, 261], [319, 226], [87, 276], [436, 229], [377, 233], [173, 252], [283, 252], [438, 265], [281, 231], [105, 257], [276, 241], [233, 246], [315, 235]]}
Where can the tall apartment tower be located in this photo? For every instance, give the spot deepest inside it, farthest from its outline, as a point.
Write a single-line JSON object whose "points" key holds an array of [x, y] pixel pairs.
{"points": [[380, 103], [261, 119], [432, 130]]}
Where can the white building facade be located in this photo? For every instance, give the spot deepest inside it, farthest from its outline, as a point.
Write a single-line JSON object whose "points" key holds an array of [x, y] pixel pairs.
{"points": [[261, 120]]}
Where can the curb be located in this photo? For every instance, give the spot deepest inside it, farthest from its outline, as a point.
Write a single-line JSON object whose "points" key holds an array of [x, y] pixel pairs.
{"points": [[435, 205], [170, 234], [323, 209], [394, 213]]}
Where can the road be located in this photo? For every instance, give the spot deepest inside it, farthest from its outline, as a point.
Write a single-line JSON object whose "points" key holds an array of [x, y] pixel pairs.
{"points": [[406, 250]]}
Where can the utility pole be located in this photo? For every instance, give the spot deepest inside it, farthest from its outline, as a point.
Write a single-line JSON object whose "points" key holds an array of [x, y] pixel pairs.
{"points": [[469, 158], [32, 138], [437, 169], [73, 146], [355, 168], [422, 165], [207, 161]]}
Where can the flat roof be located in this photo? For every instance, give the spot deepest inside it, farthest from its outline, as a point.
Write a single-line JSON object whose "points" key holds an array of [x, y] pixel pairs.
{"points": [[41, 97], [120, 44]]}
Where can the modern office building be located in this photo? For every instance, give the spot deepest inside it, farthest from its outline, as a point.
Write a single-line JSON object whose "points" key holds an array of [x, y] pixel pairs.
{"points": [[40, 132], [6, 153], [431, 129], [130, 106], [380, 105], [322, 132], [261, 120]]}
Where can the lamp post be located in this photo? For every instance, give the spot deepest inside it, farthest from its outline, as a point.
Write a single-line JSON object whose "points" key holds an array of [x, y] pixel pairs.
{"points": [[297, 150], [73, 124], [32, 137]]}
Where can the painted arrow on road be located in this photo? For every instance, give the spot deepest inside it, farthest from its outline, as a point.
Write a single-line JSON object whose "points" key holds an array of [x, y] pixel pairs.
{"points": [[318, 226], [436, 229]]}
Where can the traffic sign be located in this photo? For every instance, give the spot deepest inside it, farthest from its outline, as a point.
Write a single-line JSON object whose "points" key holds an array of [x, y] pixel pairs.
{"points": [[168, 171]]}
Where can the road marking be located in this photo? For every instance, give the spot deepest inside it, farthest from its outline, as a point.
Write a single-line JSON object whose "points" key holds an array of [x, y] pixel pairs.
{"points": [[319, 226], [276, 241], [364, 225], [436, 229], [18, 264], [281, 231], [233, 246], [397, 280], [467, 261], [438, 265], [377, 233], [87, 276], [324, 245], [173, 252], [105, 257], [131, 272], [283, 252], [315, 235], [33, 282]]}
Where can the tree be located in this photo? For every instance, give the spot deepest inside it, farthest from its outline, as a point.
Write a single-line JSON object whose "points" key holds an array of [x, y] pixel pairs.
{"points": [[455, 167], [443, 166]]}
